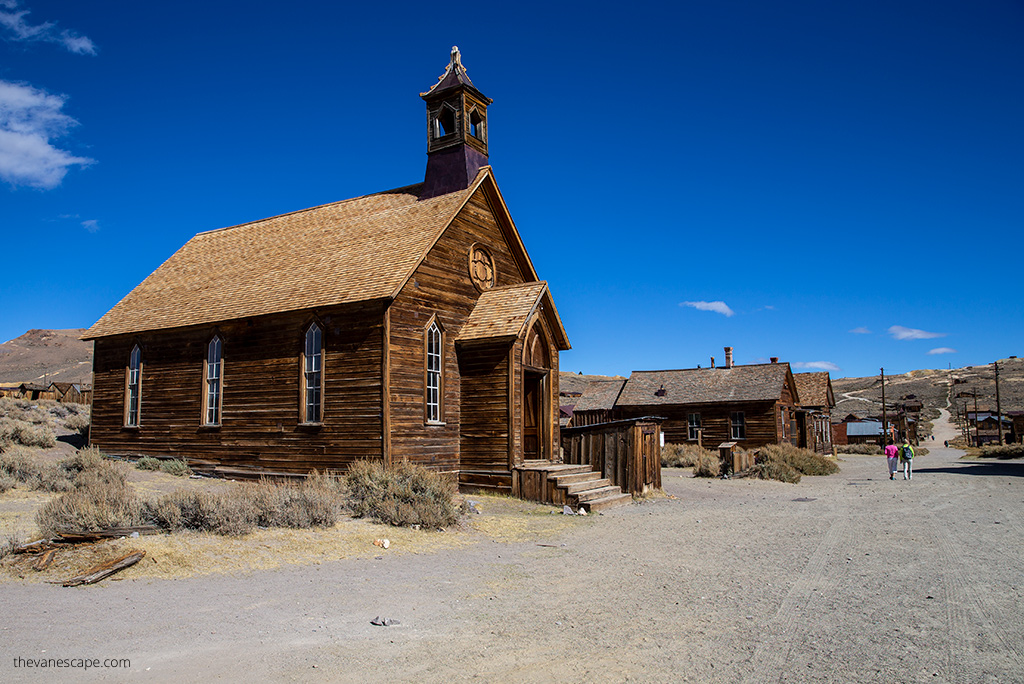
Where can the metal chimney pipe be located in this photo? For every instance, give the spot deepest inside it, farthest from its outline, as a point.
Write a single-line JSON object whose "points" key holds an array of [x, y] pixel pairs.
{"points": [[712, 361]]}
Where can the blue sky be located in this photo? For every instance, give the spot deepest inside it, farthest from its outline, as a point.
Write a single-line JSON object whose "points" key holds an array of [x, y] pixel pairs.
{"points": [[837, 184]]}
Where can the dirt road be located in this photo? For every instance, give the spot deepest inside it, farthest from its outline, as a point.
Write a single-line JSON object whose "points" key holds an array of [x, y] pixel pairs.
{"points": [[851, 577]]}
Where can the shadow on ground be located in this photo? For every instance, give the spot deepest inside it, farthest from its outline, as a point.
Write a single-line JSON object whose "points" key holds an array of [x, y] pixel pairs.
{"points": [[996, 468]]}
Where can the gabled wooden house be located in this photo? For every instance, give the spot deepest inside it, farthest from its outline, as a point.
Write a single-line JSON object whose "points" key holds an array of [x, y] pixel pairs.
{"points": [[752, 405], [814, 417], [407, 325]]}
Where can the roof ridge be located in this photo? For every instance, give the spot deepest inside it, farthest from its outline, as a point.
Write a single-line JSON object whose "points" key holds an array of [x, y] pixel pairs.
{"points": [[313, 208]]}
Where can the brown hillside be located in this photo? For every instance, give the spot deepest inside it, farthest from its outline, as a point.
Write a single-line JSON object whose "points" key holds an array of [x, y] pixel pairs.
{"points": [[863, 396], [44, 356]]}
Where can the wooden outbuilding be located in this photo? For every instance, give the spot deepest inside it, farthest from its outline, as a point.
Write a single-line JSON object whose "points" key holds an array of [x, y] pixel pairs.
{"points": [[406, 325], [752, 405], [814, 417]]}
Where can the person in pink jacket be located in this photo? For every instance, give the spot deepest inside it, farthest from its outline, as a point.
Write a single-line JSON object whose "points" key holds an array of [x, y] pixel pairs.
{"points": [[892, 453]]}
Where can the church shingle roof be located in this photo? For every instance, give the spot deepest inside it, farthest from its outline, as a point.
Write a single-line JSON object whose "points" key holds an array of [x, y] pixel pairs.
{"points": [[355, 250]]}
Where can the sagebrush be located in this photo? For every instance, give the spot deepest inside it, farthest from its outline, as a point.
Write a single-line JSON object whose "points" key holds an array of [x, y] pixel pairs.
{"points": [[316, 501], [683, 455], [402, 495], [1002, 452], [787, 463]]}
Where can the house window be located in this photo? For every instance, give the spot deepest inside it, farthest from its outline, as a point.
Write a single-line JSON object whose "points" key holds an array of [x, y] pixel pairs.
{"points": [[213, 369], [313, 376], [434, 376], [133, 388], [739, 426], [693, 426]]}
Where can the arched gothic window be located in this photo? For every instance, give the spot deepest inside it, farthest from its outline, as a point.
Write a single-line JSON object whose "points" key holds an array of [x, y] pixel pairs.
{"points": [[133, 388], [313, 375], [434, 376], [213, 370]]}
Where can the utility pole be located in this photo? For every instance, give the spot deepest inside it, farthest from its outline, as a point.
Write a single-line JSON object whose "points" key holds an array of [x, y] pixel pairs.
{"points": [[885, 422], [977, 423], [999, 408]]}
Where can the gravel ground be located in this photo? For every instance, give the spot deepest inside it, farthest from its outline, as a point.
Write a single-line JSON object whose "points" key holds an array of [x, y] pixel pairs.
{"points": [[850, 577]]}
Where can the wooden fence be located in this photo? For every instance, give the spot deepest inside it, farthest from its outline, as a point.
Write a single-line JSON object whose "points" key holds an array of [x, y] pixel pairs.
{"points": [[627, 452]]}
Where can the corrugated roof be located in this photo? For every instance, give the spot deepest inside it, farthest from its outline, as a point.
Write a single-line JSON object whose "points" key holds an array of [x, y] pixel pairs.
{"points": [[502, 311], [760, 382], [355, 250], [865, 428]]}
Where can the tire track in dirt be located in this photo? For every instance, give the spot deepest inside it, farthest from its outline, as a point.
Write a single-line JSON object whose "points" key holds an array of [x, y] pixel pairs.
{"points": [[779, 635], [968, 611]]}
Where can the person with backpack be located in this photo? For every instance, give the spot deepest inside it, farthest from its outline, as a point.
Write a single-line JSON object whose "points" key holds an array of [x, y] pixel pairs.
{"points": [[891, 454], [907, 458]]}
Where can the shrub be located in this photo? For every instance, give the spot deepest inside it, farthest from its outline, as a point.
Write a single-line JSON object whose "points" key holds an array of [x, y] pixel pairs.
{"points": [[17, 462], [405, 494], [12, 542], [16, 431], [1003, 452], [769, 469], [84, 467], [708, 464], [97, 505], [803, 461], [78, 422], [7, 483], [682, 455], [176, 468], [148, 463], [314, 502]]}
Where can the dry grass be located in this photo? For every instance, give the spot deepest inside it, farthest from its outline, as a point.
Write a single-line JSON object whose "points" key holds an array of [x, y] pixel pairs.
{"points": [[402, 495], [682, 455]]}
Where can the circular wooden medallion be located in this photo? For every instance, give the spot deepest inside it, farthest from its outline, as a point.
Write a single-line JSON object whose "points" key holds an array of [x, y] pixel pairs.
{"points": [[481, 267]]}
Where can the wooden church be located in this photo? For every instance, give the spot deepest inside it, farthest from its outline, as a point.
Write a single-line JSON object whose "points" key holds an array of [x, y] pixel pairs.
{"points": [[407, 325]]}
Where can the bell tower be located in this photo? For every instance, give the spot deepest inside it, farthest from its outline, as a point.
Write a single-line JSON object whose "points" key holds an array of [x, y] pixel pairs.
{"points": [[456, 131]]}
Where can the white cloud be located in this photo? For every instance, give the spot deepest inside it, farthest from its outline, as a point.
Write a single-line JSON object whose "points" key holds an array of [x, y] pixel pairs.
{"points": [[22, 32], [816, 365], [717, 307], [29, 119], [91, 225], [943, 350], [898, 332], [861, 331]]}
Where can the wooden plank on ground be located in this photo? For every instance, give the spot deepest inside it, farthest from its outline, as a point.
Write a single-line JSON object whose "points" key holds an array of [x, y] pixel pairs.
{"points": [[105, 570]]}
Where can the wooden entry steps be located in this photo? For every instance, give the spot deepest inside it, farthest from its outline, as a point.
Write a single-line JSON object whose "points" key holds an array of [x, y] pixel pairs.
{"points": [[562, 484]]}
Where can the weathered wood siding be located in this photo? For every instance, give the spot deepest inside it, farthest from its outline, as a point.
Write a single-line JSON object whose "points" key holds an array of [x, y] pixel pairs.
{"points": [[760, 417], [486, 422], [626, 452], [440, 287], [260, 411]]}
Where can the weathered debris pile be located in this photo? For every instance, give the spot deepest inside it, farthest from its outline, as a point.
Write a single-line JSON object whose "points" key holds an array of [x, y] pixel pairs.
{"points": [[43, 552]]}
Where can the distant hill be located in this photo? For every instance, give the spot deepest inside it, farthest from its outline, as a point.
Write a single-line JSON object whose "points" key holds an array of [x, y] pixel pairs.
{"points": [[932, 387], [45, 356]]}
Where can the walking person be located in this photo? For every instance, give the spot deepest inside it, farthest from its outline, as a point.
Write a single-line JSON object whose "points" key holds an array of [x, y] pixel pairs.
{"points": [[907, 459], [891, 453]]}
